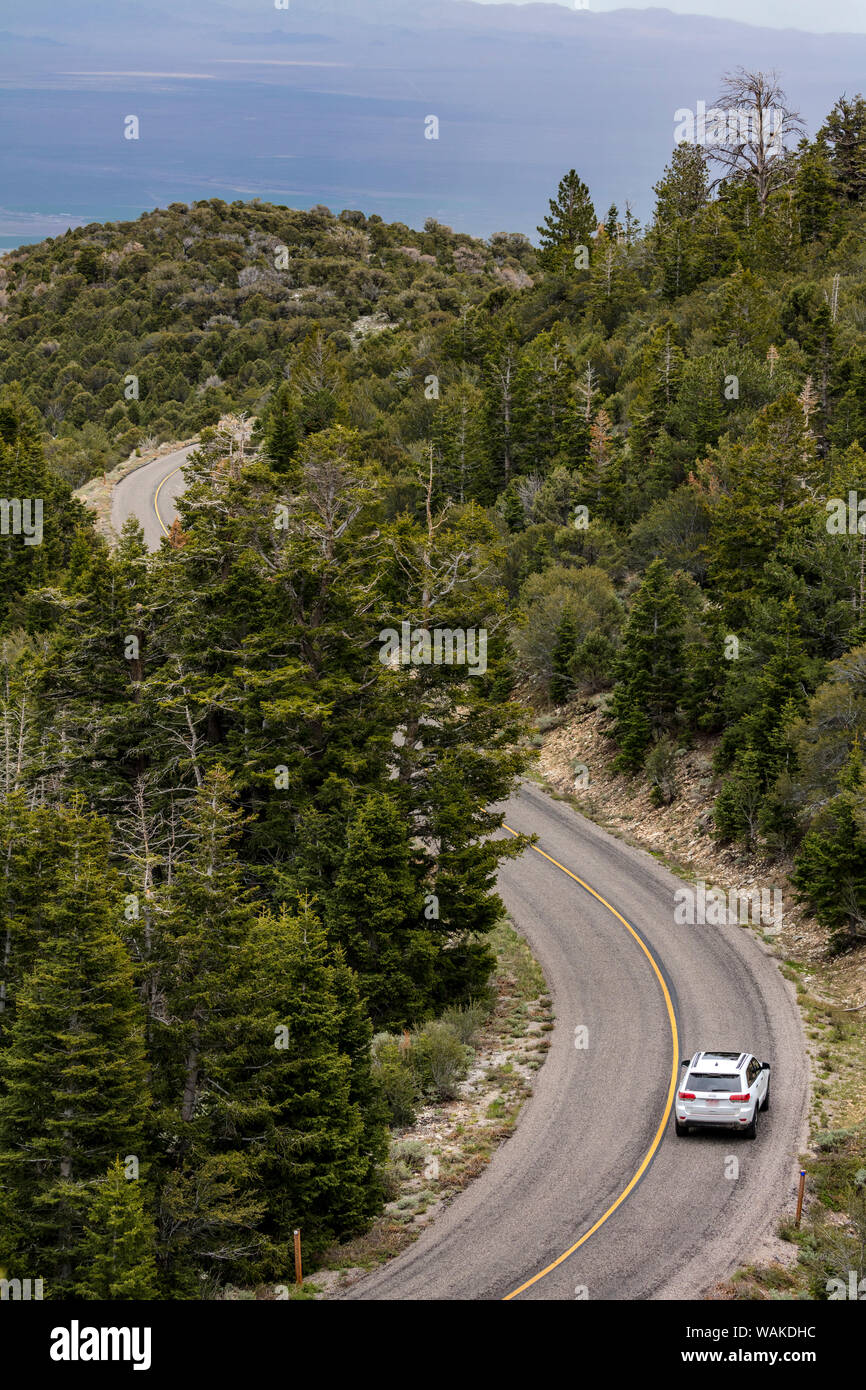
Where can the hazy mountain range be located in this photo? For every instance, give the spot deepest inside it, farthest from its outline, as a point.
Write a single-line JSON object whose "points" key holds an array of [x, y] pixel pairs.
{"points": [[839, 16], [326, 101]]}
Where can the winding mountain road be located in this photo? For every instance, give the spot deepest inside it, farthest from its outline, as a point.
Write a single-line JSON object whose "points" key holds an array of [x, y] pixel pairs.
{"points": [[594, 1196], [150, 493], [594, 1192]]}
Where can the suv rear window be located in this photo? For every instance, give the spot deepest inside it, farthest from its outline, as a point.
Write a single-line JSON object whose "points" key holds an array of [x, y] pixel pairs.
{"points": [[704, 1081]]}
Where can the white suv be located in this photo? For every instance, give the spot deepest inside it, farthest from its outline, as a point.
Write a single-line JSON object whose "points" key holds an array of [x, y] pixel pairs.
{"points": [[722, 1088]]}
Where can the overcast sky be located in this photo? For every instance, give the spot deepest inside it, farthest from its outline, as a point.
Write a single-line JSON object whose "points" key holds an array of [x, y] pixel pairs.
{"points": [[820, 16]]}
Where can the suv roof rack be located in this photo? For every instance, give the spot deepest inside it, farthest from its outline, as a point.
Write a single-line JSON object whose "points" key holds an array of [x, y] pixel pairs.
{"points": [[709, 1057]]}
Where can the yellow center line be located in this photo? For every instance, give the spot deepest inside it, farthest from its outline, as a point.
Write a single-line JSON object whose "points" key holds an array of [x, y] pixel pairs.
{"points": [[165, 529], [659, 1134]]}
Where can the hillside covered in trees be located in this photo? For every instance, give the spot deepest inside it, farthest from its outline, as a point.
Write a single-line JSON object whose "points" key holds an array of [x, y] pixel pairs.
{"points": [[236, 842]]}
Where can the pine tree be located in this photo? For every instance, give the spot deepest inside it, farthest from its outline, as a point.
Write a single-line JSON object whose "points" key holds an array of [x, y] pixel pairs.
{"points": [[463, 889], [89, 263], [780, 683], [591, 666], [459, 748], [39, 520], [499, 369], [512, 509], [601, 478], [662, 364], [706, 669], [464, 469], [206, 607], [307, 1110], [681, 195], [26, 882], [377, 915], [354, 1039], [631, 230], [834, 720], [308, 684], [648, 671], [102, 653], [570, 223], [264, 652], [563, 654], [745, 317], [737, 808], [830, 866], [280, 430], [844, 134], [767, 500], [73, 1072], [548, 431], [613, 284], [209, 1211], [683, 190], [815, 192], [117, 1256], [205, 923], [316, 381], [757, 746]]}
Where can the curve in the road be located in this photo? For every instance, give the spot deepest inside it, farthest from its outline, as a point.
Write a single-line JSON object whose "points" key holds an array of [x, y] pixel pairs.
{"points": [[659, 1134], [173, 474], [150, 494], [582, 1201]]}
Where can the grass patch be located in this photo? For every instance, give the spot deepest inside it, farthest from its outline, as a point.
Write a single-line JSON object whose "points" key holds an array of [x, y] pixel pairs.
{"points": [[514, 959]]}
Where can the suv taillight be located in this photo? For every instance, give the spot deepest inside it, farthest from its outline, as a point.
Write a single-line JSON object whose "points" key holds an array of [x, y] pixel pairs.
{"points": [[686, 1095], [740, 1098]]}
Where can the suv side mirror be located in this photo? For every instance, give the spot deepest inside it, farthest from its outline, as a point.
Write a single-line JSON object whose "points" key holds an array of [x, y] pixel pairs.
{"points": [[765, 1066]]}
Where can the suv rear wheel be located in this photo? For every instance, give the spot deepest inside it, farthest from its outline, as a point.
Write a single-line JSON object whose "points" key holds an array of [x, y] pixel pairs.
{"points": [[680, 1129], [751, 1130]]}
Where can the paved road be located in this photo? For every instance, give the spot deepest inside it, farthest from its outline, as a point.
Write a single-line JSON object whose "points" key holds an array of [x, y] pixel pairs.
{"points": [[593, 1122], [150, 494]]}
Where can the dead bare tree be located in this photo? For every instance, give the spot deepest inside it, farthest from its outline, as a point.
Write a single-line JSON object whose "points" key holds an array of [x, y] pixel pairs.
{"points": [[17, 715], [587, 387], [751, 145]]}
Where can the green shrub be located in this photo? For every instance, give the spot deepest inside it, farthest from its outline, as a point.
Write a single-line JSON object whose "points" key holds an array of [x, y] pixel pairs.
{"points": [[411, 1153], [395, 1077], [661, 769], [439, 1059], [467, 1020], [833, 1251], [392, 1175]]}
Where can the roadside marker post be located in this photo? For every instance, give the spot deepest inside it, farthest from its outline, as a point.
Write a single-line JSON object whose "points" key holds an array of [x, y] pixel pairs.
{"points": [[800, 1197], [299, 1273]]}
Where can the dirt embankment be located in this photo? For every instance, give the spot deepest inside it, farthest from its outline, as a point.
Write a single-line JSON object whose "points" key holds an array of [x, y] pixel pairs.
{"points": [[575, 759]]}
